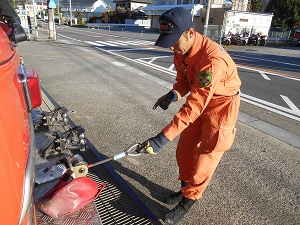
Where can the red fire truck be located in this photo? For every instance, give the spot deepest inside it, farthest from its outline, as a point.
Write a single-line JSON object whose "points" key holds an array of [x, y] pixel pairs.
{"points": [[19, 94]]}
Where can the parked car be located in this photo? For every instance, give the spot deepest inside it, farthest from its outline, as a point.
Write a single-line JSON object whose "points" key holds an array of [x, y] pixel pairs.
{"points": [[296, 37], [19, 94]]}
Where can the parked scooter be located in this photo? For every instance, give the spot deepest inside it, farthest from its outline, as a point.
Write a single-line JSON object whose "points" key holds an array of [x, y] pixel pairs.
{"points": [[245, 38], [262, 39], [253, 40], [226, 40], [236, 39]]}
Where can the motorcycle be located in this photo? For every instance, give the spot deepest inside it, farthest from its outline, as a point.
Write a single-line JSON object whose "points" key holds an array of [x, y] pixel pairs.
{"points": [[262, 39], [253, 40], [245, 38], [236, 39], [226, 40]]}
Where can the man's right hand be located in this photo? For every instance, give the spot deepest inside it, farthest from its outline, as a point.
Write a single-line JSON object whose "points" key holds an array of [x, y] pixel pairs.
{"points": [[153, 145], [165, 100]]}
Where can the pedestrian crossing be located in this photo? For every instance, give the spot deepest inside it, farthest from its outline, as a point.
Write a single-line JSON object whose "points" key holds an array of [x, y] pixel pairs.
{"points": [[116, 43]]}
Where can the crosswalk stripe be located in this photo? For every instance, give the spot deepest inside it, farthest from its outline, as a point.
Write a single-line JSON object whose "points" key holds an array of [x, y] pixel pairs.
{"points": [[147, 43], [118, 43], [93, 43], [106, 43], [128, 42]]}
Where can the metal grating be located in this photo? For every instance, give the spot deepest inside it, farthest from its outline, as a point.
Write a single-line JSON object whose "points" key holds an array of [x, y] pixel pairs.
{"points": [[115, 205]]}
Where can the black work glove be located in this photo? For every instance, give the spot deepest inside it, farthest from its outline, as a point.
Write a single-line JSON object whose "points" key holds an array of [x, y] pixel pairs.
{"points": [[165, 100], [154, 144]]}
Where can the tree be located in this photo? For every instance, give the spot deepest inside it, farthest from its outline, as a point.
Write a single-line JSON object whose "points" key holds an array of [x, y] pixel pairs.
{"points": [[286, 13], [117, 16], [107, 16], [12, 2], [256, 6], [79, 16], [121, 14]]}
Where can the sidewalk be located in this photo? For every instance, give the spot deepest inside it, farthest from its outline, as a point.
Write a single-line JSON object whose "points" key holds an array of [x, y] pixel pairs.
{"points": [[42, 35]]}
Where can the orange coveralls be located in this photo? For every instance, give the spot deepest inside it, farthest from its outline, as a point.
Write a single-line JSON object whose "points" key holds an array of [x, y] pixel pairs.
{"points": [[206, 121]]}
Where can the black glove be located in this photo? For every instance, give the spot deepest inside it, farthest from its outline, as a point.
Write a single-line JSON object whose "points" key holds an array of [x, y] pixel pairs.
{"points": [[165, 100], [154, 144]]}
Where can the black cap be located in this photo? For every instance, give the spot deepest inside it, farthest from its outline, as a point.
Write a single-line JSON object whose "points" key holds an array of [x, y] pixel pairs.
{"points": [[172, 24]]}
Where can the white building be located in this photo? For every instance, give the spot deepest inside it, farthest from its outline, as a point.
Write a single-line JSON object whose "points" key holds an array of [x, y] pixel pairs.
{"points": [[87, 7], [240, 21], [220, 20]]}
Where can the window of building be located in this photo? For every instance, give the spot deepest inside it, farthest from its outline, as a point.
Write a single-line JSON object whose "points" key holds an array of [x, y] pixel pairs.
{"points": [[211, 20], [243, 20]]}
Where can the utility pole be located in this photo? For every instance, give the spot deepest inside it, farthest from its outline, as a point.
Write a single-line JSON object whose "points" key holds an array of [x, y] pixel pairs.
{"points": [[58, 12], [34, 12], [70, 12], [227, 5], [208, 6], [51, 22]]}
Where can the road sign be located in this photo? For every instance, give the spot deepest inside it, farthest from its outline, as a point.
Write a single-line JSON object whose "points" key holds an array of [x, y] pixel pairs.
{"points": [[52, 4]]}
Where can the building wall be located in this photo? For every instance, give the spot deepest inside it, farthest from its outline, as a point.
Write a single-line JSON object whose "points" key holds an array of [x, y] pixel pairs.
{"points": [[240, 5], [239, 22], [135, 5]]}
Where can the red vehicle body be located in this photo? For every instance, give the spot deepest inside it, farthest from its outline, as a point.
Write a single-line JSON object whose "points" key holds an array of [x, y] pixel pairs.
{"points": [[19, 94]]}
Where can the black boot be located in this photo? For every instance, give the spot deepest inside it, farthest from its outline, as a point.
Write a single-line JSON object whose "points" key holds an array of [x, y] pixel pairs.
{"points": [[177, 213], [176, 197]]}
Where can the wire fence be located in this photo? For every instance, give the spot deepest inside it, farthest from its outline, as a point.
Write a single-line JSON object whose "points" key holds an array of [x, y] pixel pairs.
{"points": [[274, 34]]}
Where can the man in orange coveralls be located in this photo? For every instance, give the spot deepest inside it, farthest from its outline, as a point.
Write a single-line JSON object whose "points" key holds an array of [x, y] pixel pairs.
{"points": [[206, 121]]}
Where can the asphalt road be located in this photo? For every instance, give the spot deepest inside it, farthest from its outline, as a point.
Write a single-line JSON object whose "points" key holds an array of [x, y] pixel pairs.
{"points": [[256, 182], [270, 79]]}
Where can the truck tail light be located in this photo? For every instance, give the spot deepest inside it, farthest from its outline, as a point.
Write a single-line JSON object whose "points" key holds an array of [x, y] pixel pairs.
{"points": [[34, 88], [31, 87]]}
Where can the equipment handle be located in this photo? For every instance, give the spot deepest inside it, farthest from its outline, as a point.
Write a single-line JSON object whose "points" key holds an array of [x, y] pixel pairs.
{"points": [[119, 155]]}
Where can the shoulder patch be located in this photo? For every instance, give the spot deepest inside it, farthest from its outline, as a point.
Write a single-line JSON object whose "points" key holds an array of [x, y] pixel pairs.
{"points": [[204, 78], [221, 48]]}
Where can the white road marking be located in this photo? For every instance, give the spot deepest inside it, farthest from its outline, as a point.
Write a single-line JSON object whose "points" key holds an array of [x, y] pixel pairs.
{"points": [[157, 67], [264, 75], [125, 42], [94, 43], [290, 103], [152, 59], [273, 74], [106, 43], [267, 60], [137, 41], [69, 38], [118, 43], [128, 49], [271, 107], [255, 101], [165, 56], [295, 112], [148, 43], [172, 66], [261, 72]]}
